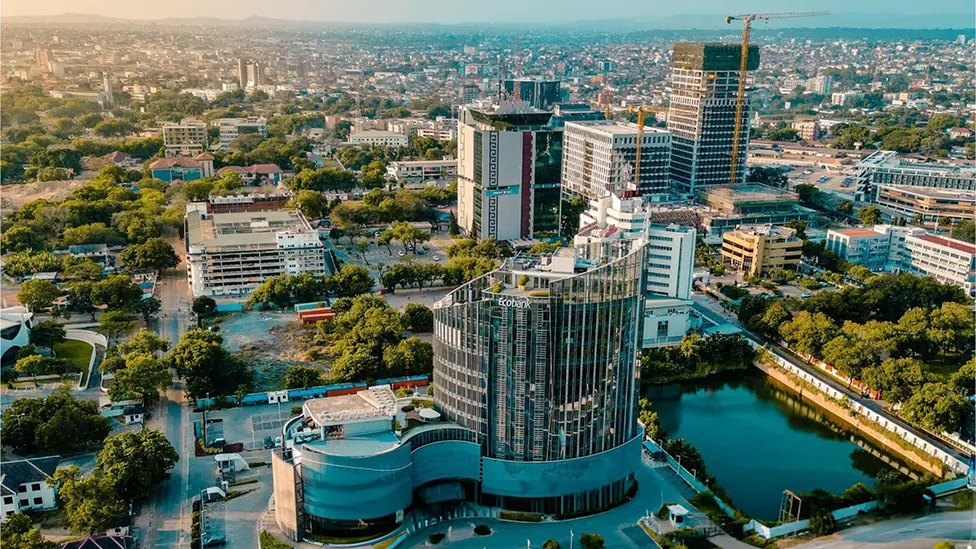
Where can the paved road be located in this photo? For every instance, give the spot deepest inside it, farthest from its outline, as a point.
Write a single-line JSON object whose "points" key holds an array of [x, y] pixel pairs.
{"points": [[710, 308], [917, 533], [165, 520]]}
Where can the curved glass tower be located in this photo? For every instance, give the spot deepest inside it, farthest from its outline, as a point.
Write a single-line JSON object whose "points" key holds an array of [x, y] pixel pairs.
{"points": [[540, 359]]}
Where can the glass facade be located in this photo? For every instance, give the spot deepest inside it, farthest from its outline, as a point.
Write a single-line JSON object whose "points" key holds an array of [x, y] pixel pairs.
{"points": [[545, 376]]}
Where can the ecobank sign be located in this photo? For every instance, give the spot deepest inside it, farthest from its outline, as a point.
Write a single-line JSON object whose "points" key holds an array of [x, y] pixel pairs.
{"points": [[513, 302]]}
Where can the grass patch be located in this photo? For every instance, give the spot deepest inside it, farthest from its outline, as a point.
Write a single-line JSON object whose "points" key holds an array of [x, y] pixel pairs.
{"points": [[945, 367], [421, 403], [344, 540], [268, 541], [78, 352], [55, 518], [962, 501], [243, 482]]}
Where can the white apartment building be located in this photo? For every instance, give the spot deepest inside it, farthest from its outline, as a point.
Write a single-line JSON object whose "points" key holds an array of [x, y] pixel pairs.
{"points": [[417, 171], [186, 138], [440, 134], [377, 137], [947, 260], [232, 128], [845, 98], [232, 253], [599, 157], [613, 219]]}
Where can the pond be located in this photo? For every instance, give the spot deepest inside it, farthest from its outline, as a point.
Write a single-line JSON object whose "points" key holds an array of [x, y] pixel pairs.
{"points": [[758, 439]]}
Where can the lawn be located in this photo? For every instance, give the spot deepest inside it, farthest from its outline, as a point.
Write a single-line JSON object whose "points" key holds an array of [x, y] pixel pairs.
{"points": [[945, 366], [77, 352], [331, 164]]}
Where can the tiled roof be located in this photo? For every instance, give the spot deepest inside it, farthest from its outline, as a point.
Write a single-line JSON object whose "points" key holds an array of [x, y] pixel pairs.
{"points": [[15, 473], [102, 542], [948, 243], [165, 163], [859, 232]]}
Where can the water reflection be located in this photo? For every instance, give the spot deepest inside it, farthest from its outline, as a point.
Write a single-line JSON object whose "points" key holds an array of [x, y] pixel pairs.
{"points": [[760, 438]]}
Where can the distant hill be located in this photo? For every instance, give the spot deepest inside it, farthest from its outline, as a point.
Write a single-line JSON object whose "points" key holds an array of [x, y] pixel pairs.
{"points": [[703, 22]]}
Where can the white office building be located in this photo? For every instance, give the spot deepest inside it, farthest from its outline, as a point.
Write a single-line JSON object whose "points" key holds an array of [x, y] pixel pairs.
{"points": [[232, 128], [418, 171], [186, 138], [947, 260], [613, 219], [879, 248], [599, 157], [232, 253]]}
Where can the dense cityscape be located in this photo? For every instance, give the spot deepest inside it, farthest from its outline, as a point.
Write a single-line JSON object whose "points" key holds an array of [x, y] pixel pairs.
{"points": [[272, 284]]}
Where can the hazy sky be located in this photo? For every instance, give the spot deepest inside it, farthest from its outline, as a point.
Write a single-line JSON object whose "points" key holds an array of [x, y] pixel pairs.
{"points": [[454, 11]]}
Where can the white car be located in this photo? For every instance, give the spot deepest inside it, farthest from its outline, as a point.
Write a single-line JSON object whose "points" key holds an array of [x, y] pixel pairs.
{"points": [[401, 254]]}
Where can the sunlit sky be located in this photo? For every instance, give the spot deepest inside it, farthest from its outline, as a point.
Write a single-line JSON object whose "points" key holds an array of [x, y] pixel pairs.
{"points": [[507, 11]]}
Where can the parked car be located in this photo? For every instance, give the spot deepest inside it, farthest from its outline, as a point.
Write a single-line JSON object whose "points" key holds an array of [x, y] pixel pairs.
{"points": [[805, 295], [268, 442]]}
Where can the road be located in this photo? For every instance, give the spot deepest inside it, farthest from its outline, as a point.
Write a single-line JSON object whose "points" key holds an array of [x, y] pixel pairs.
{"points": [[914, 533], [710, 308], [165, 521]]}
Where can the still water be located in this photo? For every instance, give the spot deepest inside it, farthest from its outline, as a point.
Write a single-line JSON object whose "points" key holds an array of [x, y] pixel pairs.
{"points": [[758, 439]]}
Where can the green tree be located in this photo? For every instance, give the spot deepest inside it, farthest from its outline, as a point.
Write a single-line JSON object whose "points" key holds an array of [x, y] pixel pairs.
{"points": [[409, 357], [963, 380], [550, 544], [204, 307], [143, 375], [117, 293], [356, 365], [452, 226], [47, 333], [90, 503], [136, 463], [58, 424], [115, 323], [312, 204], [18, 533], [965, 230], [914, 329], [144, 342], [86, 270], [808, 333], [897, 379], [952, 327], [351, 281], [936, 407], [302, 377], [155, 254], [870, 215], [37, 295], [822, 523], [148, 308], [205, 366], [418, 318]]}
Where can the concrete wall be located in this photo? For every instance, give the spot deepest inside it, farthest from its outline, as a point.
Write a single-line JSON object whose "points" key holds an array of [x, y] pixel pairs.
{"points": [[284, 477], [840, 515]]}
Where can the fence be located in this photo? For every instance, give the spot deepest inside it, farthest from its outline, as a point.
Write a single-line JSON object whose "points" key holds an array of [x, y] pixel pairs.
{"points": [[687, 476], [885, 422], [840, 515]]}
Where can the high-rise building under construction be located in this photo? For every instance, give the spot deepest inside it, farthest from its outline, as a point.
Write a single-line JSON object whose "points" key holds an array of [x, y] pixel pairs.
{"points": [[701, 114]]}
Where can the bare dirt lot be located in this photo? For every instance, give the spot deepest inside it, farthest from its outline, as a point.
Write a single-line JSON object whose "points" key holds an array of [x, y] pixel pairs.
{"points": [[270, 343], [14, 196]]}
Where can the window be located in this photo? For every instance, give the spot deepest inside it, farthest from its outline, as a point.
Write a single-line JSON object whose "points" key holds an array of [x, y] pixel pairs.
{"points": [[24, 503], [662, 328], [8, 500], [36, 487], [38, 501], [22, 489]]}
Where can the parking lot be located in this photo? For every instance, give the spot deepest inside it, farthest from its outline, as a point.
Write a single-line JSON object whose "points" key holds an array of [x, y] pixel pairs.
{"points": [[377, 257], [250, 424]]}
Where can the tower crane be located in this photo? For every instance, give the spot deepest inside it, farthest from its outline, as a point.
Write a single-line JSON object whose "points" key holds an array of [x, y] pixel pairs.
{"points": [[747, 20]]}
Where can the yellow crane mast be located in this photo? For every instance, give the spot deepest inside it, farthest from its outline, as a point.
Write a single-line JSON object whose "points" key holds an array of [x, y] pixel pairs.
{"points": [[747, 20]]}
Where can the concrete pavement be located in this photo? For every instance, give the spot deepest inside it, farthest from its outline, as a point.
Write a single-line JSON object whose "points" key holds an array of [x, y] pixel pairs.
{"points": [[910, 533]]}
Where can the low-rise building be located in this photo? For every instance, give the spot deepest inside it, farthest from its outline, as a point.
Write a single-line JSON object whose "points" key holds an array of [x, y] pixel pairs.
{"points": [[232, 253], [808, 130], [181, 168], [416, 171], [926, 203], [24, 486], [748, 204], [255, 174], [232, 128], [758, 249], [879, 248], [377, 137], [887, 168], [947, 260], [15, 327]]}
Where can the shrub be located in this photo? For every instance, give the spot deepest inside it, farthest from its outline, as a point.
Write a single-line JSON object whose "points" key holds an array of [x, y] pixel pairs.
{"points": [[550, 544], [592, 541], [482, 530], [810, 284], [296, 410], [822, 523], [733, 292]]}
